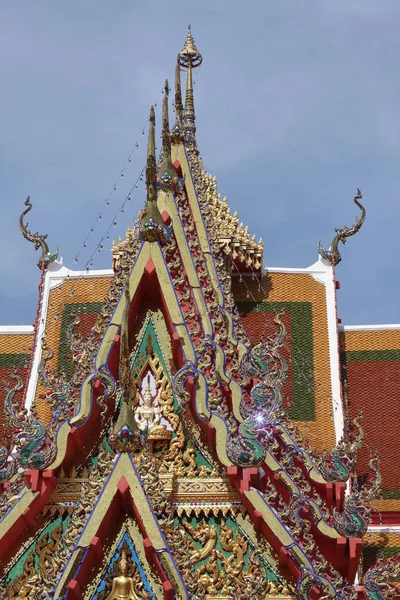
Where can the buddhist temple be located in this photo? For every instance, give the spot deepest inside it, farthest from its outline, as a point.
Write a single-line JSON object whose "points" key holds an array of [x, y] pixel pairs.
{"points": [[191, 424]]}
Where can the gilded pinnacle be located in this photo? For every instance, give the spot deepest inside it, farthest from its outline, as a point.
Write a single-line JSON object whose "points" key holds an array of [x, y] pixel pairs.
{"points": [[150, 227], [189, 121], [189, 55], [151, 167], [166, 171], [178, 93], [166, 140]]}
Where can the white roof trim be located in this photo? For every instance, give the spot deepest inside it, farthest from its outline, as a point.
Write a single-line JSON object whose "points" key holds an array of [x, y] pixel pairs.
{"points": [[321, 266], [322, 272], [307, 271], [16, 329], [384, 528], [55, 276], [390, 327]]}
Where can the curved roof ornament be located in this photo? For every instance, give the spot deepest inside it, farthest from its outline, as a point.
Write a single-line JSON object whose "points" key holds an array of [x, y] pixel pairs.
{"points": [[332, 254], [37, 239]]}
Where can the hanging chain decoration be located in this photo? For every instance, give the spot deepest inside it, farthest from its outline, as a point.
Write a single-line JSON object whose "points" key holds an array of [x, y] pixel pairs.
{"points": [[37, 239], [107, 203], [332, 254]]}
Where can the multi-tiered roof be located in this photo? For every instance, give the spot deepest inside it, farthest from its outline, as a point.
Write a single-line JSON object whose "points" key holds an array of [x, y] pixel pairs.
{"points": [[159, 435]]}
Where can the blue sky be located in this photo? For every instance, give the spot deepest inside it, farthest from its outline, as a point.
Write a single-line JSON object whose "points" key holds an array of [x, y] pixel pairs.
{"points": [[297, 105]]}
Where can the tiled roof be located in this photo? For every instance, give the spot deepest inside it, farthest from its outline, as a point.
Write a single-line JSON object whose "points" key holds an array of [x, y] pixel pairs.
{"points": [[15, 353], [309, 382], [84, 296], [378, 544], [372, 362]]}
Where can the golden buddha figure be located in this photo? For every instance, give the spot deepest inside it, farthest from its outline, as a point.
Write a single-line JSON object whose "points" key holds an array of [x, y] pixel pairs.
{"points": [[148, 416], [123, 586]]}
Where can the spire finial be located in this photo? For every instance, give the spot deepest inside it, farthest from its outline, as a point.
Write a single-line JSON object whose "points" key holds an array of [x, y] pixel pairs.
{"points": [[178, 93], [166, 171], [151, 167], [189, 121], [189, 55], [190, 58], [150, 227], [166, 139]]}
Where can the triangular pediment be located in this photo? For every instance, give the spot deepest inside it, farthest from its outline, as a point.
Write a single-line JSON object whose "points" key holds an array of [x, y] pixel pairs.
{"points": [[122, 495]]}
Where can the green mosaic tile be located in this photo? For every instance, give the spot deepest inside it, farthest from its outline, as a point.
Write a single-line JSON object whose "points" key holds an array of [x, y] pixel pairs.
{"points": [[391, 494], [18, 361], [372, 355]]}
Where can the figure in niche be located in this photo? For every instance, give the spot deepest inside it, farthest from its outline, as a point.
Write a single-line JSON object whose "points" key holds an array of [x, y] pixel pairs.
{"points": [[123, 586], [148, 416]]}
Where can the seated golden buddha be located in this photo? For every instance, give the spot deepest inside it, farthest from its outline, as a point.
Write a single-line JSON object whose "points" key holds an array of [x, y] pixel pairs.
{"points": [[123, 586]]}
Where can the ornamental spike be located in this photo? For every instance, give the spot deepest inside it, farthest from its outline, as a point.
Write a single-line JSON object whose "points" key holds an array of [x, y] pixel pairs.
{"points": [[150, 226], [189, 58], [178, 93], [151, 167], [189, 122], [166, 139], [189, 55], [166, 171]]}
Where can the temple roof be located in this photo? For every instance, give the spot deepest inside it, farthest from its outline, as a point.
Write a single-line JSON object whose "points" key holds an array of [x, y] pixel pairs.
{"points": [[177, 391], [370, 360], [15, 355]]}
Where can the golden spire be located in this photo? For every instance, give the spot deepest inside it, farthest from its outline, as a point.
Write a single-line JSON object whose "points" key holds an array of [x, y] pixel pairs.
{"points": [[124, 367], [166, 169], [189, 122], [166, 139], [189, 55], [151, 167], [178, 93], [150, 226], [190, 58]]}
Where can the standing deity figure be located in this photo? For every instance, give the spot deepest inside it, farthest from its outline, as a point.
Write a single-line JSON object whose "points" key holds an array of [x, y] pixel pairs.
{"points": [[122, 586], [148, 416]]}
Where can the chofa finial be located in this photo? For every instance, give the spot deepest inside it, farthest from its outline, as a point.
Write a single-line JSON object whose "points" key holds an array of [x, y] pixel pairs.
{"points": [[37, 239], [333, 254]]}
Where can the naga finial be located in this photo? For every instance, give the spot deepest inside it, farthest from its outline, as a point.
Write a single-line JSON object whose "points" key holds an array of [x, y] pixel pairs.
{"points": [[37, 239], [33, 441], [379, 580], [353, 521], [332, 254], [338, 464]]}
